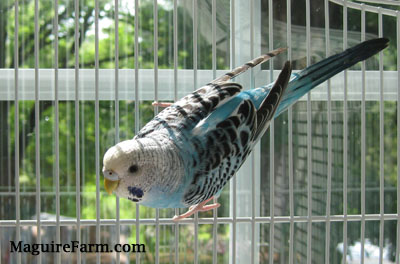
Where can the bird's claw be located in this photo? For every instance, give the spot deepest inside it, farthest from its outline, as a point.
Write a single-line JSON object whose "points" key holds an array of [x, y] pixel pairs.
{"points": [[201, 207]]}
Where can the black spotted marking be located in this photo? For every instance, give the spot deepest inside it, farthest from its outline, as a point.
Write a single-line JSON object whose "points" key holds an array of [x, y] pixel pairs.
{"points": [[250, 122], [230, 74], [181, 110], [224, 124], [214, 100], [271, 54], [207, 105], [244, 108], [197, 176], [135, 191], [210, 141], [237, 149], [251, 64], [235, 120], [224, 94], [216, 161], [244, 137], [231, 90], [197, 97], [227, 149], [232, 134], [214, 85]]}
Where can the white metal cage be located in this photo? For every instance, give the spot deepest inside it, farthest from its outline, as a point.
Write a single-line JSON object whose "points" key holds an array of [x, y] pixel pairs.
{"points": [[307, 192]]}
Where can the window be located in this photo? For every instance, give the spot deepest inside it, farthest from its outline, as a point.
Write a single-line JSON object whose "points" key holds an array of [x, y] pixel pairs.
{"points": [[296, 216]]}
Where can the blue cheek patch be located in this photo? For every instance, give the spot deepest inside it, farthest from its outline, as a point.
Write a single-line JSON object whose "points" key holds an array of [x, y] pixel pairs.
{"points": [[135, 191]]}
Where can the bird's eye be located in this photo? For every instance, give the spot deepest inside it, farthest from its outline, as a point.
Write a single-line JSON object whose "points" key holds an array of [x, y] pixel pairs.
{"points": [[133, 168]]}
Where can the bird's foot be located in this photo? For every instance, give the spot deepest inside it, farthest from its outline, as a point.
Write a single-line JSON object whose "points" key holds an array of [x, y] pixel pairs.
{"points": [[161, 104], [201, 207]]}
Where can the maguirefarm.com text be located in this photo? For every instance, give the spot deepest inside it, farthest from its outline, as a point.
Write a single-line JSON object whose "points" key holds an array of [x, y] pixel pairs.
{"points": [[73, 246]]}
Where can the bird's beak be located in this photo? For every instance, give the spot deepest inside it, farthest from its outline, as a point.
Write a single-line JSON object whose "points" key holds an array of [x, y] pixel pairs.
{"points": [[110, 186]]}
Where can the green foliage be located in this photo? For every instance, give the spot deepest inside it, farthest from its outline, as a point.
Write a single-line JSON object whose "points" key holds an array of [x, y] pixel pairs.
{"points": [[90, 168]]}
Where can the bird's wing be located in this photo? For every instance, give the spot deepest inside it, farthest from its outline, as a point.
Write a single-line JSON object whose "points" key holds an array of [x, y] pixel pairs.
{"points": [[220, 148], [191, 109], [223, 140], [268, 107]]}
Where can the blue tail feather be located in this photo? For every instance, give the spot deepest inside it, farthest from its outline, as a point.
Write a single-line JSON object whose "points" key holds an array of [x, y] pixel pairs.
{"points": [[316, 74]]}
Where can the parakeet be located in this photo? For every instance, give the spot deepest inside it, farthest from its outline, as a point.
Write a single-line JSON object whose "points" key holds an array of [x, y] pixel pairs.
{"points": [[190, 150]]}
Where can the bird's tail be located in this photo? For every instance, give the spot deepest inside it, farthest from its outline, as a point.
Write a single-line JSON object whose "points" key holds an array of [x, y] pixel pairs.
{"points": [[315, 74], [251, 64]]}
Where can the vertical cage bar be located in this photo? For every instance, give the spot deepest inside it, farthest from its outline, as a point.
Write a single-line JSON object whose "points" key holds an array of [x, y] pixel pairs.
{"points": [[175, 23], [136, 57], [309, 141], [398, 140], [116, 82], [57, 128], [77, 145], [290, 138], [155, 51], [329, 165], [234, 183], [137, 123], [363, 139], [195, 25], [271, 142], [37, 129], [16, 129], [253, 176], [214, 69], [97, 143], [214, 42], [196, 216], [381, 144], [345, 138], [175, 41]]}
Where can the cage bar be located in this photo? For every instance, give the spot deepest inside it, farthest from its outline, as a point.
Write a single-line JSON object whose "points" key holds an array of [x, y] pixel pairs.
{"points": [[195, 29], [398, 139], [77, 135], [175, 41], [57, 129], [309, 139], [381, 145], [253, 176], [116, 120], [137, 117], [271, 142], [345, 137], [207, 220], [156, 109], [97, 143], [290, 138], [214, 69], [16, 130], [329, 165], [363, 141], [37, 129], [233, 187]]}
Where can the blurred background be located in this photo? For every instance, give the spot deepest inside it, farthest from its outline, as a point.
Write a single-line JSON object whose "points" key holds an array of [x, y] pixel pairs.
{"points": [[253, 33]]}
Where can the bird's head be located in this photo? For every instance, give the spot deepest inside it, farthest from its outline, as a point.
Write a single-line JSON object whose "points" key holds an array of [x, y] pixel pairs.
{"points": [[132, 168]]}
